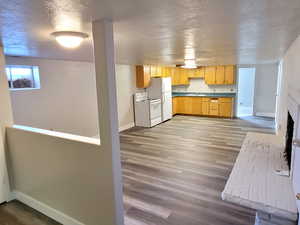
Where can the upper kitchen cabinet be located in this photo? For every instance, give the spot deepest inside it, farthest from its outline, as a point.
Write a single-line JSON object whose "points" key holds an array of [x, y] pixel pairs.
{"points": [[199, 72], [155, 71], [220, 75], [230, 73], [179, 76], [210, 75], [196, 73], [143, 76], [184, 76], [213, 75], [166, 71], [158, 71]]}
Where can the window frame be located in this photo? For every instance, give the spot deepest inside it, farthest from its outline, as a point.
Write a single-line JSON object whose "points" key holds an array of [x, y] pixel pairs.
{"points": [[34, 73]]}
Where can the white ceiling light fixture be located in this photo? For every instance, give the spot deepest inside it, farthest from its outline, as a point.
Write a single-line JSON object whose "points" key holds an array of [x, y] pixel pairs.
{"points": [[69, 39], [189, 64]]}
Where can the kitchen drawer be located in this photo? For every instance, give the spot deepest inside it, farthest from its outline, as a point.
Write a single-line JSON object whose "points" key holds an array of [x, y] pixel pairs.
{"points": [[214, 112], [205, 99], [226, 99], [214, 105]]}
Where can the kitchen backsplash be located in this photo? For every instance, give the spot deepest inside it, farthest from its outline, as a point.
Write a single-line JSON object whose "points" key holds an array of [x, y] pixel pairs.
{"points": [[198, 85]]}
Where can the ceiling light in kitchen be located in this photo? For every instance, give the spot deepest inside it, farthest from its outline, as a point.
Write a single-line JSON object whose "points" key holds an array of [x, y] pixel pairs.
{"points": [[69, 39], [189, 64]]}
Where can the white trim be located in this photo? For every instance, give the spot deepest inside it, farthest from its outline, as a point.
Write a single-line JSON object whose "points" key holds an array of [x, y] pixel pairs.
{"points": [[24, 89], [125, 127], [265, 114], [45, 209], [58, 134]]}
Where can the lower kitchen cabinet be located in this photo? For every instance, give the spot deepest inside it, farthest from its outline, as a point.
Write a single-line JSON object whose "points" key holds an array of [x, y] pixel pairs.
{"points": [[226, 109], [205, 106], [218, 107], [214, 107], [196, 106], [174, 105]]}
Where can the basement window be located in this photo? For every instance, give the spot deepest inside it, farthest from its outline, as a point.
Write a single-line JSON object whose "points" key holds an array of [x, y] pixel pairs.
{"points": [[23, 77]]}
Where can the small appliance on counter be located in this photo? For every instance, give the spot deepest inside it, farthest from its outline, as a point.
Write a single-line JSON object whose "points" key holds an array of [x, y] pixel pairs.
{"points": [[147, 111], [161, 88]]}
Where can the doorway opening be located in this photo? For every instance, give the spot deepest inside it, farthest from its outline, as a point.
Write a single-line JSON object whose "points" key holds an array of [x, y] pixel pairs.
{"points": [[246, 84]]}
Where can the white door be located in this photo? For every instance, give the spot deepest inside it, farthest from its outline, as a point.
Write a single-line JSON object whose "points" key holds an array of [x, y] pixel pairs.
{"points": [[246, 84], [166, 106]]}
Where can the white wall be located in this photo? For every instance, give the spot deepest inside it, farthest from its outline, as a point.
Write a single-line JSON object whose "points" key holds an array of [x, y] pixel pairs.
{"points": [[6, 120], [290, 88], [66, 101], [63, 174], [126, 87], [265, 89], [290, 83]]}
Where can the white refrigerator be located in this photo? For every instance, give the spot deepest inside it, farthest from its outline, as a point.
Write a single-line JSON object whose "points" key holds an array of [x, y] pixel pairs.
{"points": [[162, 88]]}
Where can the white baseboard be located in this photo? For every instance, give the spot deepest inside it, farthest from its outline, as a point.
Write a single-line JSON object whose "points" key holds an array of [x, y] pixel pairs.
{"points": [[125, 127], [45, 209], [265, 114]]}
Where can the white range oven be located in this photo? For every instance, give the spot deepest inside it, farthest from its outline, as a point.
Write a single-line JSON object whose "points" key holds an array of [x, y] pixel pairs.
{"points": [[155, 112], [147, 111]]}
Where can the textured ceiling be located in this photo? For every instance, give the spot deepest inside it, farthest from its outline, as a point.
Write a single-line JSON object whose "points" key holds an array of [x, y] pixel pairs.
{"points": [[156, 31]]}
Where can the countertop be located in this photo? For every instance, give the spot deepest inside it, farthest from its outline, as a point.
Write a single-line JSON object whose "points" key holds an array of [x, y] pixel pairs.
{"points": [[202, 94]]}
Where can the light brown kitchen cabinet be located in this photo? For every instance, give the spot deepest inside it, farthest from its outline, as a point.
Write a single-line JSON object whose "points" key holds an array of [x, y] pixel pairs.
{"points": [[220, 75], [206, 106], [175, 76], [226, 107], [230, 73], [210, 75], [143, 76], [190, 73], [153, 70], [179, 76], [213, 75], [199, 72], [214, 107], [188, 109], [174, 105], [182, 105], [158, 71], [196, 105], [184, 77], [166, 71]]}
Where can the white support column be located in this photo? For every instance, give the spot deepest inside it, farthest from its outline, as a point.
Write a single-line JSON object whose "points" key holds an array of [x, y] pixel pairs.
{"points": [[107, 107], [6, 120]]}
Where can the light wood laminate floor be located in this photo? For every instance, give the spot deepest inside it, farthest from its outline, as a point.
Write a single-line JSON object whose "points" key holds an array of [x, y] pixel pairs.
{"points": [[173, 174]]}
